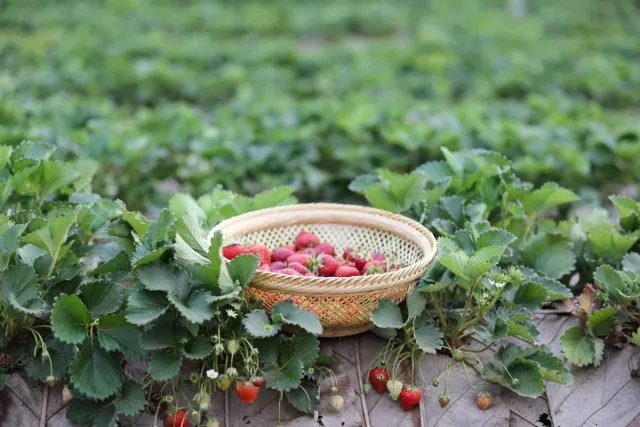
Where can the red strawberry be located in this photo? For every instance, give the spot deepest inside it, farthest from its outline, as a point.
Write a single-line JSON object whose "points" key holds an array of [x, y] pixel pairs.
{"points": [[278, 265], [352, 256], [281, 254], [262, 251], [301, 258], [258, 381], [289, 272], [378, 378], [306, 239], [325, 248], [232, 251], [347, 271], [264, 267], [298, 267], [409, 397], [180, 418], [247, 391], [327, 265], [374, 267]]}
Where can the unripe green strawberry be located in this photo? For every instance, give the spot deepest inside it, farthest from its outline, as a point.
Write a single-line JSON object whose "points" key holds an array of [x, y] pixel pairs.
{"points": [[337, 402], [443, 399], [367, 387], [394, 386]]}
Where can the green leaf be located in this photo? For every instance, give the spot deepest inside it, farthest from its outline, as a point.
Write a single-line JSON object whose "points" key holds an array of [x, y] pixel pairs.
{"points": [[158, 338], [215, 254], [631, 263], [495, 237], [101, 297], [132, 399], [81, 410], [548, 254], [579, 348], [456, 263], [530, 295], [287, 312], [5, 155], [387, 315], [195, 308], [241, 269], [143, 256], [19, 287], [305, 397], [416, 303], [161, 277], [198, 348], [9, 243], [107, 417], [161, 229], [96, 373], [137, 221], [165, 365], [556, 290], [518, 374], [546, 197], [551, 368], [55, 176], [181, 204], [188, 228], [115, 333], [609, 244], [145, 306], [428, 338], [454, 206], [625, 205], [600, 322], [70, 319], [52, 236], [257, 324], [284, 378], [612, 283], [635, 338], [482, 261], [378, 197], [305, 349]]}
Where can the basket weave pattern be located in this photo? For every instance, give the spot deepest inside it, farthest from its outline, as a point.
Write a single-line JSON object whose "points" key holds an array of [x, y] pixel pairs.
{"points": [[342, 304]]}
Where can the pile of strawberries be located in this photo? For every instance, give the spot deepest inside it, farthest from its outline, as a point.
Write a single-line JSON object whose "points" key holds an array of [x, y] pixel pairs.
{"points": [[308, 256]]}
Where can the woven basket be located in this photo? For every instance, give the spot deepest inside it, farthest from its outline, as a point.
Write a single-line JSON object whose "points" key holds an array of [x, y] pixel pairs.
{"points": [[342, 304]]}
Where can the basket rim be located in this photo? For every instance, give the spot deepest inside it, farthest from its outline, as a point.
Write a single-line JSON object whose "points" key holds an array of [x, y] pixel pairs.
{"points": [[328, 286]]}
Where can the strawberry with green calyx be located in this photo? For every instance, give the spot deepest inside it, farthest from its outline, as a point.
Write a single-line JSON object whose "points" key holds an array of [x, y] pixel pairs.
{"points": [[374, 267], [325, 265], [336, 400], [436, 382], [306, 239], [232, 251], [394, 386], [355, 258], [366, 387], [378, 378], [247, 391], [483, 400], [179, 418], [410, 396], [51, 381], [443, 398]]}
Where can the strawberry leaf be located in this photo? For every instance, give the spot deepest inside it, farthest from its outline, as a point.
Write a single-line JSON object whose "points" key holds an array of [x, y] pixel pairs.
{"points": [[428, 338], [581, 349], [165, 365], [70, 319], [287, 312], [258, 325], [609, 244], [96, 373], [145, 306], [387, 315], [600, 322], [101, 297], [305, 397], [19, 288], [115, 333], [549, 255], [197, 348], [635, 338], [131, 400], [195, 307]]}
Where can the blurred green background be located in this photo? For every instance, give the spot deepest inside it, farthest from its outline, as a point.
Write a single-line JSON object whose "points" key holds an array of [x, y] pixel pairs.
{"points": [[185, 95]]}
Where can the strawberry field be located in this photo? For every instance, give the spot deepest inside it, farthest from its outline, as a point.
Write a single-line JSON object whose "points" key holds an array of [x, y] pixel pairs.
{"points": [[129, 129]]}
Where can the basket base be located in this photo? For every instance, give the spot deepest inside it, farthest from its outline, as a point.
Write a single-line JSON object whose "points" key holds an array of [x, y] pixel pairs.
{"points": [[345, 331]]}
